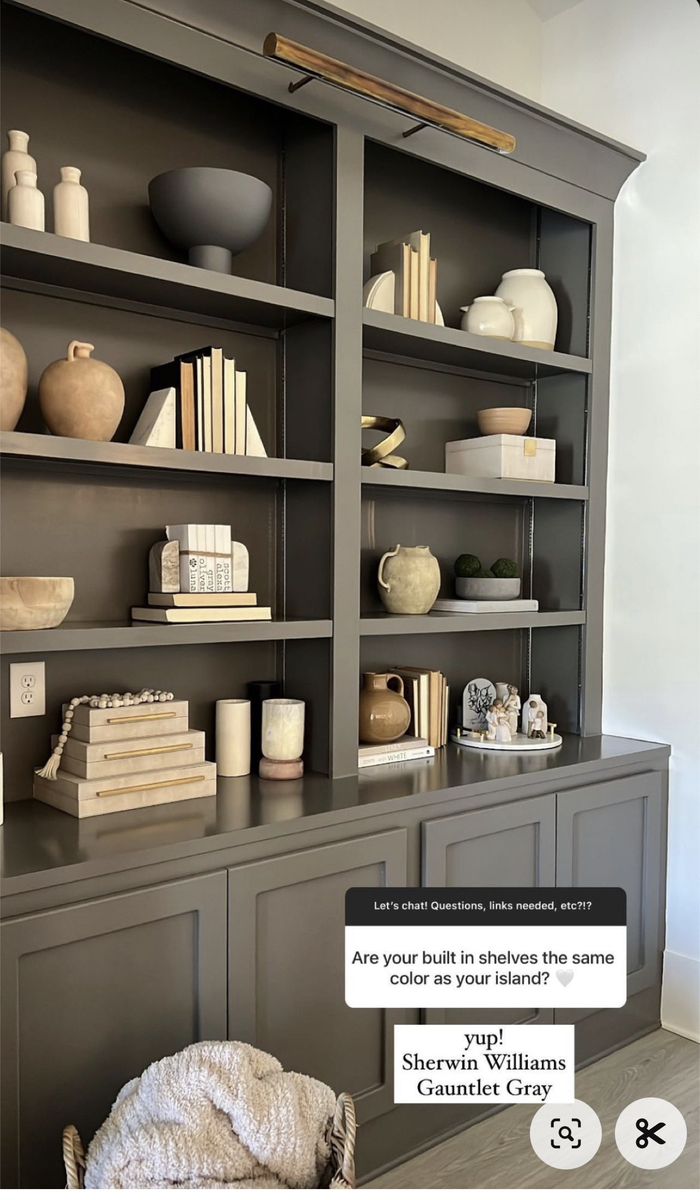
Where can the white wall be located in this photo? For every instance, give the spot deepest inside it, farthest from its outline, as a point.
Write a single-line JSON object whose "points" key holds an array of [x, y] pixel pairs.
{"points": [[630, 69], [499, 39]]}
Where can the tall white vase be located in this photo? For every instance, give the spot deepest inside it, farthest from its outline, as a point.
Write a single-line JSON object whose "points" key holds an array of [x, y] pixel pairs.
{"points": [[233, 737], [534, 307], [26, 202], [16, 158], [71, 211]]}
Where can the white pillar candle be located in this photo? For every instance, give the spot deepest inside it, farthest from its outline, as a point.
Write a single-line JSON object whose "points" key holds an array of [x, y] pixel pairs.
{"points": [[233, 737], [283, 729]]}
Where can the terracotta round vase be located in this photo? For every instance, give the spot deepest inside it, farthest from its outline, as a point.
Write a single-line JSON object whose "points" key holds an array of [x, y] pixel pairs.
{"points": [[81, 397], [384, 714], [13, 380], [409, 579]]}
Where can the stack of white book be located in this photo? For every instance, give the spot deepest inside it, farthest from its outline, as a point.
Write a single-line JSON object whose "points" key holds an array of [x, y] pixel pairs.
{"points": [[405, 749], [428, 696], [484, 606], [415, 274]]}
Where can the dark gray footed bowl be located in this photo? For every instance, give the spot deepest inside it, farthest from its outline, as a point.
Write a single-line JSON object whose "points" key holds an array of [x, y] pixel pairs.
{"points": [[210, 206]]}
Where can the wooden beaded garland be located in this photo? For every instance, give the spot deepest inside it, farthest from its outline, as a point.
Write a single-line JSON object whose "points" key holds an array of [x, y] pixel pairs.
{"points": [[116, 700]]}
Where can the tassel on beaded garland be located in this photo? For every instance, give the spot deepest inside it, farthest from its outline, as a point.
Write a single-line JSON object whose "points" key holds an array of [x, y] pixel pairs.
{"points": [[116, 700]]}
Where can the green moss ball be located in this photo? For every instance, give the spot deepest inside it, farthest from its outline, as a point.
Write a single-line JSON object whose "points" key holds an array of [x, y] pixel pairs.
{"points": [[467, 566], [505, 568]]}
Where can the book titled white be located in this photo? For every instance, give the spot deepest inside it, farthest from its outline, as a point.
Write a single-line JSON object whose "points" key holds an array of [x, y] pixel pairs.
{"points": [[368, 749], [198, 600], [485, 606], [193, 616], [396, 756]]}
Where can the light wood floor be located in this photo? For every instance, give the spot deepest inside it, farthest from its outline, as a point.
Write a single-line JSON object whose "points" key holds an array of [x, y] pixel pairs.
{"points": [[496, 1153]]}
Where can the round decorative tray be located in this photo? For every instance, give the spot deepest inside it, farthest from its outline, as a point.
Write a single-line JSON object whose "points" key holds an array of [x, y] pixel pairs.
{"points": [[517, 745]]}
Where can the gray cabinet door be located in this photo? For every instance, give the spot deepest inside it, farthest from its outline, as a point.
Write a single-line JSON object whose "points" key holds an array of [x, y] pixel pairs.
{"points": [[611, 835], [510, 845], [287, 964], [94, 992]]}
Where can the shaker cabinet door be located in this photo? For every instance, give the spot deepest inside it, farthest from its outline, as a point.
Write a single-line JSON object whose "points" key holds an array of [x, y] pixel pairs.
{"points": [[91, 994], [611, 835], [510, 845], [287, 964]]}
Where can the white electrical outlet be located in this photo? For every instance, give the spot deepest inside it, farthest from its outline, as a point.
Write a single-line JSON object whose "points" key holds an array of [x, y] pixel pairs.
{"points": [[27, 689]]}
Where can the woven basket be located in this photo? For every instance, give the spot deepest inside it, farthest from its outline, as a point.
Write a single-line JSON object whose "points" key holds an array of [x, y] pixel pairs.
{"points": [[341, 1136]]}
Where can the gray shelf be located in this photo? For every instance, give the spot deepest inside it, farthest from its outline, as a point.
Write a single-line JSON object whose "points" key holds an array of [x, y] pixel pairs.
{"points": [[382, 624], [36, 446], [438, 481], [45, 259], [79, 635], [406, 338]]}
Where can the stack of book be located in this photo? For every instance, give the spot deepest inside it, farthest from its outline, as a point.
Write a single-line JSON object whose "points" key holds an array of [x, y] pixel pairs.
{"points": [[210, 585], [405, 749], [128, 758], [428, 696], [485, 606], [198, 402], [415, 274]]}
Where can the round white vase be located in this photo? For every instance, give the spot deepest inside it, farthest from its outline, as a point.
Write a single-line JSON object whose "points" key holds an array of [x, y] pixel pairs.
{"points": [[16, 158], [489, 316], [26, 202], [283, 729], [71, 213], [534, 307], [233, 737]]}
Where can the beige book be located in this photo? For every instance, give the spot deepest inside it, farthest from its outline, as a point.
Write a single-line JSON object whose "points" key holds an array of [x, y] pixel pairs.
{"points": [[229, 406], [432, 290], [193, 616], [414, 277], [217, 399], [208, 600]]}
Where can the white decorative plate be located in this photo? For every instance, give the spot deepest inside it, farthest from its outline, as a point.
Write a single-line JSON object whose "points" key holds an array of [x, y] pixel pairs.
{"points": [[518, 744], [477, 698]]}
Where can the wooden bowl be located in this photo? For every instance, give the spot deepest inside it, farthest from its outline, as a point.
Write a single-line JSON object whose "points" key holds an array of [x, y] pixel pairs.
{"points": [[504, 420], [34, 602]]}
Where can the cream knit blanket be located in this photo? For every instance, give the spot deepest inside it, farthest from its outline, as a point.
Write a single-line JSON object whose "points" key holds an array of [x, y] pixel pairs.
{"points": [[216, 1115]]}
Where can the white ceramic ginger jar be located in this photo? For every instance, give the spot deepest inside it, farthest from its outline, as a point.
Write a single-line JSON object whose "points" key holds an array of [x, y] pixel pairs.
{"points": [[534, 307], [489, 316], [71, 214], [16, 158]]}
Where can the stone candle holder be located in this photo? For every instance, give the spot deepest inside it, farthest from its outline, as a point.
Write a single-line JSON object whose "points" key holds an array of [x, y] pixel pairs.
{"points": [[282, 739]]}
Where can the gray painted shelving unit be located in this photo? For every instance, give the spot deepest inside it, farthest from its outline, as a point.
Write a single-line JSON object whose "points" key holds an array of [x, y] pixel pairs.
{"points": [[146, 931]]}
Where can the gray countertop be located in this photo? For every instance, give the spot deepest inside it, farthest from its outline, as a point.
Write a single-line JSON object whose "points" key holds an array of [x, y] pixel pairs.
{"points": [[42, 847]]}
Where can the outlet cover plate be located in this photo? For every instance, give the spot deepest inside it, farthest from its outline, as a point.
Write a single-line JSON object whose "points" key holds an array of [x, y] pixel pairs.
{"points": [[27, 689]]}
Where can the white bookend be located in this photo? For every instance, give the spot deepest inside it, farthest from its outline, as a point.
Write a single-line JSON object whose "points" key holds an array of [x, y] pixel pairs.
{"points": [[241, 410], [240, 564], [156, 425], [253, 441], [229, 406]]}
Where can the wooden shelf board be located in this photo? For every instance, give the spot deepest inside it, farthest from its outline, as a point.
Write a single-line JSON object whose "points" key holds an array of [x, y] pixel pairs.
{"points": [[46, 259], [453, 347], [381, 624], [123, 455], [79, 635], [438, 481]]}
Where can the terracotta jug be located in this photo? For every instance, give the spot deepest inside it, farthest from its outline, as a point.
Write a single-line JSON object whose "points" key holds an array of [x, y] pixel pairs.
{"points": [[13, 379], [81, 397], [384, 714], [409, 579]]}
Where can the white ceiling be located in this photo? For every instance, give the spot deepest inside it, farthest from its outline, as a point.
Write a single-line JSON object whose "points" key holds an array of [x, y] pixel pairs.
{"points": [[546, 9]]}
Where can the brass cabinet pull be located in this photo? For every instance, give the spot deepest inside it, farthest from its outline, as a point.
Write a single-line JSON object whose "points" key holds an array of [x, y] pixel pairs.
{"points": [[150, 787], [143, 753]]}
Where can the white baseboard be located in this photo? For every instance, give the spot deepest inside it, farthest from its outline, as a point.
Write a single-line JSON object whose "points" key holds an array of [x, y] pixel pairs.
{"points": [[680, 995]]}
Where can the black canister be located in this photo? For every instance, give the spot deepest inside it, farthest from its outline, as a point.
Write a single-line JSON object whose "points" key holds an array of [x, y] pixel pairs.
{"points": [[259, 690]]}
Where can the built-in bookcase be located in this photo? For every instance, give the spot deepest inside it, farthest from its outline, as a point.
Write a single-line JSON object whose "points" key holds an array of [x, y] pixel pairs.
{"points": [[316, 522]]}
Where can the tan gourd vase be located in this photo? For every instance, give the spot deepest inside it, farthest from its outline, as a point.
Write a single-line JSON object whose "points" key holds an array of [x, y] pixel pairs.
{"points": [[13, 380], [409, 580], [81, 397], [384, 714]]}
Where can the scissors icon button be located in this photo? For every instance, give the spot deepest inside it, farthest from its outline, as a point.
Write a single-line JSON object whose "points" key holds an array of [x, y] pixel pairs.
{"points": [[647, 1134]]}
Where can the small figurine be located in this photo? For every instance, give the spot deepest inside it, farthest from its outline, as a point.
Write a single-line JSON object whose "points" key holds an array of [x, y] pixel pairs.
{"points": [[534, 702], [498, 723], [512, 705], [537, 720]]}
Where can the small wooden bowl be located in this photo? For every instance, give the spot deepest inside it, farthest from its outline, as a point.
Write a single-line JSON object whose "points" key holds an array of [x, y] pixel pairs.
{"points": [[504, 420], [34, 602]]}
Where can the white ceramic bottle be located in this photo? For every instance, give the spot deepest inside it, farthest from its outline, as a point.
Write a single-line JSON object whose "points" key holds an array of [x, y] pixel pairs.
{"points": [[16, 158], [71, 211], [534, 307], [489, 316], [26, 202]]}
